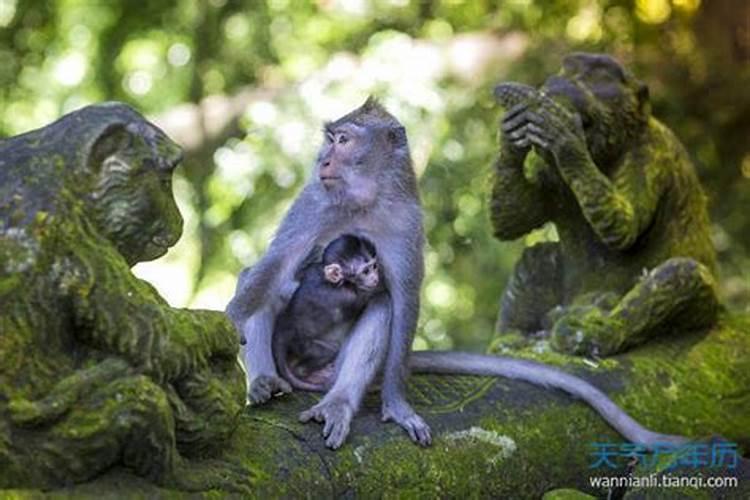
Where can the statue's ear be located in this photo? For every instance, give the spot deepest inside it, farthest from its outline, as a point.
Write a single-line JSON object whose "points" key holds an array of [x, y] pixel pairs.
{"points": [[111, 140], [644, 101]]}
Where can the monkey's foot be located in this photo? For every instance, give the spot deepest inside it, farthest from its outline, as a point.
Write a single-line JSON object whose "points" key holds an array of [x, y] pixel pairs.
{"points": [[403, 415], [263, 387], [335, 414], [588, 332]]}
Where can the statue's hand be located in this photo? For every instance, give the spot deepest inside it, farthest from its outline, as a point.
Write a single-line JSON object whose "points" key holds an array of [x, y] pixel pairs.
{"points": [[513, 141], [556, 132]]}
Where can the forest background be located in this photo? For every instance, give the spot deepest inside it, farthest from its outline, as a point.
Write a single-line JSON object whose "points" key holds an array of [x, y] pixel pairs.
{"points": [[245, 85]]}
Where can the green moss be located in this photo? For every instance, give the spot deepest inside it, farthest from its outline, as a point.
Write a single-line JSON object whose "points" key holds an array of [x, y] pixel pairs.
{"points": [[566, 494]]}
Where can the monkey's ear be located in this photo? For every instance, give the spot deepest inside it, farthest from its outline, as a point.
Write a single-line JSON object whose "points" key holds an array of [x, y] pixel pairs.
{"points": [[333, 273], [111, 140], [371, 103], [397, 136]]}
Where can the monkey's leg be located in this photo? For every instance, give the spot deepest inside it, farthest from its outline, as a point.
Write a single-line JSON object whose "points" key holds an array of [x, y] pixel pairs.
{"points": [[359, 361], [533, 290], [680, 293], [318, 353], [263, 380]]}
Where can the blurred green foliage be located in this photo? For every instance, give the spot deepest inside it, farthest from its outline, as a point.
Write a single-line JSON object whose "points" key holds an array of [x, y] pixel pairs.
{"points": [[432, 62]]}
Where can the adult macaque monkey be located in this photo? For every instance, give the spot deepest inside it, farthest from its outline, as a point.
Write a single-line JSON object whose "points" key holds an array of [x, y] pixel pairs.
{"points": [[363, 184]]}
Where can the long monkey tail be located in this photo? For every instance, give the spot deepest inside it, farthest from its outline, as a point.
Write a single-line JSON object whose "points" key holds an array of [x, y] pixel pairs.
{"points": [[464, 363]]}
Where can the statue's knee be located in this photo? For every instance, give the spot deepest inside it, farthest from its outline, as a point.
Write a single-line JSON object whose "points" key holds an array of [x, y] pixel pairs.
{"points": [[683, 271], [145, 422], [141, 404]]}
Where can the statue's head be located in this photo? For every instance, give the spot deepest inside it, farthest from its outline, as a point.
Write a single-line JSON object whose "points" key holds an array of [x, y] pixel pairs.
{"points": [[129, 164], [612, 104]]}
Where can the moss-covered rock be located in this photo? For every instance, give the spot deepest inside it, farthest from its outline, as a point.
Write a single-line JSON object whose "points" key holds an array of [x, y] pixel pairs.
{"points": [[501, 438]]}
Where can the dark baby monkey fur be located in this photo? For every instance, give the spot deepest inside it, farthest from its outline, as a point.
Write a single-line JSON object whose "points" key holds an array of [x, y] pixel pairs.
{"points": [[332, 292]]}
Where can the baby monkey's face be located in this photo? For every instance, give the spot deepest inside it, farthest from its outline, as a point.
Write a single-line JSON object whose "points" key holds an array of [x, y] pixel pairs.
{"points": [[361, 273]]}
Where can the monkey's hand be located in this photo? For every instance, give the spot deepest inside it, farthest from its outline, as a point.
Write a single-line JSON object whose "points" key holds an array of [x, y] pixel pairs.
{"points": [[556, 133], [263, 387], [402, 413]]}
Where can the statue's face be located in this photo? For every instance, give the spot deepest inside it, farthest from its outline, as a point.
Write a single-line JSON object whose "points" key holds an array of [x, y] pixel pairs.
{"points": [[610, 102], [132, 198]]}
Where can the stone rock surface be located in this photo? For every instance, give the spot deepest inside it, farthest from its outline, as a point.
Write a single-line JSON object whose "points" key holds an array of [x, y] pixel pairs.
{"points": [[501, 438]]}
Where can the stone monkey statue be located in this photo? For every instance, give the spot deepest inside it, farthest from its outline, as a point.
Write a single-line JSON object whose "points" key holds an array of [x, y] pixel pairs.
{"points": [[332, 293], [97, 370], [634, 257]]}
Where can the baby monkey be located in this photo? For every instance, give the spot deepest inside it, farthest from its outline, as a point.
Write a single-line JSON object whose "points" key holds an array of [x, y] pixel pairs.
{"points": [[332, 293]]}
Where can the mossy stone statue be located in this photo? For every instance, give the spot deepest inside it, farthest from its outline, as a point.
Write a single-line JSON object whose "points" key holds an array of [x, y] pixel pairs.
{"points": [[634, 256], [96, 369]]}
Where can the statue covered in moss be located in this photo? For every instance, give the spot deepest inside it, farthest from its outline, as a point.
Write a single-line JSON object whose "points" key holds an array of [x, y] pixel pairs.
{"points": [[634, 257], [96, 369]]}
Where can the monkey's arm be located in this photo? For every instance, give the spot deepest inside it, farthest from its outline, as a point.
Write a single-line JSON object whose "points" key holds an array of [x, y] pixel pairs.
{"points": [[270, 278], [617, 209], [264, 290], [517, 205]]}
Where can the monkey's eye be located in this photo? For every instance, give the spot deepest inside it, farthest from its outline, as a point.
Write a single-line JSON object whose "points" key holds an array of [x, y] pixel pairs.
{"points": [[343, 139]]}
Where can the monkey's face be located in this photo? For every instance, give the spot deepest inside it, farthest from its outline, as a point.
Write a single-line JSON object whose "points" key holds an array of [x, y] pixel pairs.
{"points": [[132, 196], [612, 105], [365, 274], [342, 166]]}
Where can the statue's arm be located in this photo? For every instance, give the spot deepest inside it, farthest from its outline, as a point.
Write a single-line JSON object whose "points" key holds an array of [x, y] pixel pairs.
{"points": [[617, 209], [517, 203], [120, 314], [66, 393]]}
